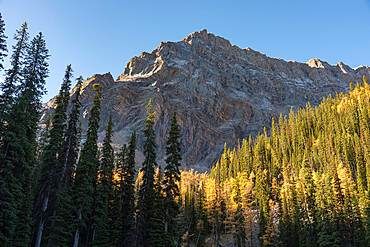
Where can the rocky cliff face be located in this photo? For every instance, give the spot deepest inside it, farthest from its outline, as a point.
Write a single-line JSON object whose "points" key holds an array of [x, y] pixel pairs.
{"points": [[221, 93]]}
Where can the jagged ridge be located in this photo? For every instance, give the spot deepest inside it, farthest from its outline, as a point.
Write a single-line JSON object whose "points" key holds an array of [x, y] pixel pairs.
{"points": [[221, 92]]}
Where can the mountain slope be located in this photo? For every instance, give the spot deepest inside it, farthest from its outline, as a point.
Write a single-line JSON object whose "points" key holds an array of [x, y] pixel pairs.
{"points": [[221, 93]]}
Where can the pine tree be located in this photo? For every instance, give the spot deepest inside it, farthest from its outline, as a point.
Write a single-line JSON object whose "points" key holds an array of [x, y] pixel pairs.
{"points": [[86, 175], [146, 219], [156, 231], [61, 229], [171, 178], [3, 49], [25, 110], [19, 140], [46, 199], [104, 191], [13, 76], [125, 195]]}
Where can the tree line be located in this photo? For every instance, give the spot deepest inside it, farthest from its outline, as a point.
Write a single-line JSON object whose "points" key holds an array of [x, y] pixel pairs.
{"points": [[55, 191]]}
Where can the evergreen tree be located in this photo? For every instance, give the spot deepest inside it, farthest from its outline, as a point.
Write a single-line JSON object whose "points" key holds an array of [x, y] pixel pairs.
{"points": [[171, 178], [117, 224], [25, 110], [61, 229], [156, 231], [13, 76], [3, 49], [126, 195], [104, 191], [146, 219], [85, 177], [19, 143], [46, 199]]}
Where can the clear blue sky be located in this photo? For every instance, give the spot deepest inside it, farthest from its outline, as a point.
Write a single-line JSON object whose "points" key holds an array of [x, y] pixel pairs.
{"points": [[99, 36]]}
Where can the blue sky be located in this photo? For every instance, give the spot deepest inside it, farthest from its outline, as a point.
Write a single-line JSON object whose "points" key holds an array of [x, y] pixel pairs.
{"points": [[99, 36]]}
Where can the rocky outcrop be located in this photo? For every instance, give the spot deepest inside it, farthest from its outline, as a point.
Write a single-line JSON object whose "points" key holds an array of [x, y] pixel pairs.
{"points": [[221, 93]]}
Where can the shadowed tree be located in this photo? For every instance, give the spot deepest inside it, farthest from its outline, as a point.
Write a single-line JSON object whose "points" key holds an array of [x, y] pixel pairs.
{"points": [[171, 178], [125, 195], [104, 191], [146, 219], [61, 229], [19, 137], [45, 199], [86, 175]]}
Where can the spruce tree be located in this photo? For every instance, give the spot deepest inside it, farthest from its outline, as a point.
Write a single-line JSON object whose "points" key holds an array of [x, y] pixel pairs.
{"points": [[19, 135], [125, 195], [25, 110], [3, 49], [19, 141], [13, 76], [46, 199], [156, 231], [117, 223], [61, 229], [145, 219], [171, 178], [104, 191], [86, 175]]}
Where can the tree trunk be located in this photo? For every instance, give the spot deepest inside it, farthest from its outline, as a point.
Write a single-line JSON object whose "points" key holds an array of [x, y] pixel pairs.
{"points": [[41, 224], [77, 233]]}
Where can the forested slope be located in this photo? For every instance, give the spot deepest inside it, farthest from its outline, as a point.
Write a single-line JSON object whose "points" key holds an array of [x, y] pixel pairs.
{"points": [[305, 184]]}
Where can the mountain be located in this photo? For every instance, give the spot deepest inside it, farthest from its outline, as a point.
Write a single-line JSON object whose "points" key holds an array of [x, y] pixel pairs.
{"points": [[221, 93]]}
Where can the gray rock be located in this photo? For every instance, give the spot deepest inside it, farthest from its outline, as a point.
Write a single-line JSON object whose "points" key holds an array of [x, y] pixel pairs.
{"points": [[221, 93]]}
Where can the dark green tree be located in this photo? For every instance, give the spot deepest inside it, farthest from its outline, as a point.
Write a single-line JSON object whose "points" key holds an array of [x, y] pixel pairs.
{"points": [[125, 195], [13, 76], [86, 176], [171, 178], [61, 229], [104, 191], [3, 49], [117, 221], [156, 233], [46, 199], [146, 218], [19, 140]]}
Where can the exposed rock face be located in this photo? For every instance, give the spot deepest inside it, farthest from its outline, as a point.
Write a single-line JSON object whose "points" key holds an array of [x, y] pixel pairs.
{"points": [[221, 93]]}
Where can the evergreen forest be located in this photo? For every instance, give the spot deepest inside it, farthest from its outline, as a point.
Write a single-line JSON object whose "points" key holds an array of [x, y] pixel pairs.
{"points": [[303, 182]]}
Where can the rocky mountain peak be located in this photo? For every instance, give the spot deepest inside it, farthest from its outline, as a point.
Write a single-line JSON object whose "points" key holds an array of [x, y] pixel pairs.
{"points": [[317, 63], [208, 39], [221, 93]]}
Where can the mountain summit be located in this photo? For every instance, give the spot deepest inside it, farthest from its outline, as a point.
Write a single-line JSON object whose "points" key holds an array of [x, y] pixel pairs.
{"points": [[221, 93]]}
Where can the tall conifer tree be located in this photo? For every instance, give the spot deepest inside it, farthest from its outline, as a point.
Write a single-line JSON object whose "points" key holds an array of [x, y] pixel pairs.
{"points": [[171, 178], [45, 200], [86, 175], [145, 211], [13, 76], [104, 191], [19, 140], [125, 195], [25, 110], [61, 229]]}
